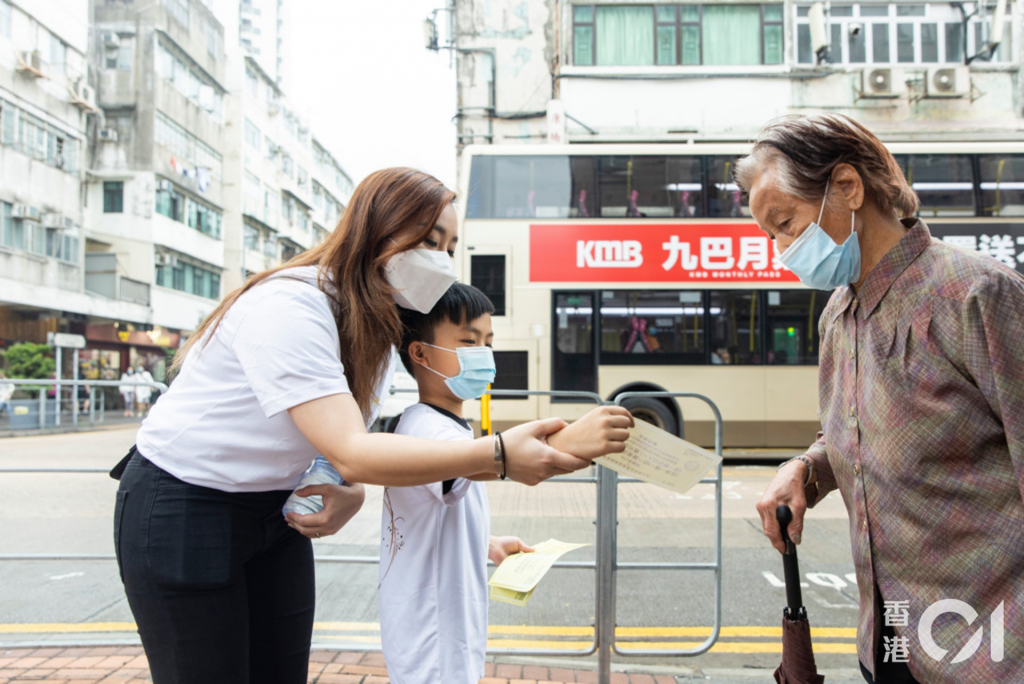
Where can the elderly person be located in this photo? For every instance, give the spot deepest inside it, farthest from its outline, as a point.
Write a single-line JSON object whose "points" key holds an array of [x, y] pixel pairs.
{"points": [[921, 391]]}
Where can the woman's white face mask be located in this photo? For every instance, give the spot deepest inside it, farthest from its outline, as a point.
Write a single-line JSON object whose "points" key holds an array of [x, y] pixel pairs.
{"points": [[420, 278]]}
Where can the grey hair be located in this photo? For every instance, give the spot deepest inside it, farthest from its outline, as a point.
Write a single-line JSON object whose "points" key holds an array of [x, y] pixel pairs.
{"points": [[803, 150]]}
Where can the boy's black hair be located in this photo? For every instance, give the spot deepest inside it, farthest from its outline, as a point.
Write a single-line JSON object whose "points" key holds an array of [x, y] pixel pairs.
{"points": [[459, 305]]}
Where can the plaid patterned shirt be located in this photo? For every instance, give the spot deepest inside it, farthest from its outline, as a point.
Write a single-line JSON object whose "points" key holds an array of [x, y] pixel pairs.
{"points": [[922, 412]]}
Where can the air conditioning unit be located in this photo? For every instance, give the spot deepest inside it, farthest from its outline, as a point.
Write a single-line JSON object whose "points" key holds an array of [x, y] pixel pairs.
{"points": [[84, 96], [303, 126], [68, 224], [25, 211], [882, 82], [30, 62], [948, 81], [206, 97], [108, 135], [273, 108], [164, 185], [165, 259], [111, 40], [52, 219]]}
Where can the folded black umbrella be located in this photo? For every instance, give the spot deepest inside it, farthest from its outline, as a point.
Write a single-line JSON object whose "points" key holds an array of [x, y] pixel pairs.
{"points": [[797, 654]]}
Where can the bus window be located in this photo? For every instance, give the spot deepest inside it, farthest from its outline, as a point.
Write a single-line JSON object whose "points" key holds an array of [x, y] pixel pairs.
{"points": [[943, 182], [1002, 184], [574, 365], [648, 327], [511, 186], [487, 274], [735, 327], [724, 197], [792, 317]]}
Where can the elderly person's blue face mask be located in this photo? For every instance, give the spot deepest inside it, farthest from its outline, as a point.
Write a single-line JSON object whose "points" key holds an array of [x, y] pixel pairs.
{"points": [[818, 261]]}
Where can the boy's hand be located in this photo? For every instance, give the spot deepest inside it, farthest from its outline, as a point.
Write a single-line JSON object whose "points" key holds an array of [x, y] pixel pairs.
{"points": [[600, 432], [501, 548], [341, 503]]}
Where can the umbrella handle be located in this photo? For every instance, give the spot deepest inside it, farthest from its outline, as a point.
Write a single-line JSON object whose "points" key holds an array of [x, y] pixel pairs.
{"points": [[789, 564]]}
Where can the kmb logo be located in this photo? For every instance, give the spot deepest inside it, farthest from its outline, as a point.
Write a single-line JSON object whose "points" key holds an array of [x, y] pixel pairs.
{"points": [[609, 254]]}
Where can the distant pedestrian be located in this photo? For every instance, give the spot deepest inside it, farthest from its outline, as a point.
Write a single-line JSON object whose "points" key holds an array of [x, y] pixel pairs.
{"points": [[6, 392], [128, 392], [143, 393], [921, 399]]}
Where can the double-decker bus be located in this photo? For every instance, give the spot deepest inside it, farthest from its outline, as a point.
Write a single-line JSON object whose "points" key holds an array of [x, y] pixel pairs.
{"points": [[626, 267]]}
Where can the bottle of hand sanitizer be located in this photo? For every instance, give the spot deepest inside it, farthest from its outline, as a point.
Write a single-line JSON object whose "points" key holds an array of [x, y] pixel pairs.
{"points": [[321, 472]]}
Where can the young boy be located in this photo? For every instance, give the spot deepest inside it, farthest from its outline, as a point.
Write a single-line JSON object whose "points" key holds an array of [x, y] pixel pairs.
{"points": [[435, 539]]}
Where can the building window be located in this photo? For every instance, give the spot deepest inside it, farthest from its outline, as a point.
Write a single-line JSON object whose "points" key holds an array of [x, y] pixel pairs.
{"points": [[113, 197], [204, 219], [252, 135], [252, 83], [5, 19], [179, 9], [252, 237], [189, 150], [212, 39], [171, 204], [487, 273], [900, 33], [669, 34], [190, 278], [37, 139]]}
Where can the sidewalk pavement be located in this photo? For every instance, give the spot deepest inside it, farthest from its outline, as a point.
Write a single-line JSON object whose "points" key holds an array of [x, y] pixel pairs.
{"points": [[127, 665]]}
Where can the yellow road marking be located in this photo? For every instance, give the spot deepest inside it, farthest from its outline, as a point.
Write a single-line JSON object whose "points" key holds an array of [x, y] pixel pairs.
{"points": [[528, 630], [67, 628], [821, 632], [720, 647], [733, 646]]}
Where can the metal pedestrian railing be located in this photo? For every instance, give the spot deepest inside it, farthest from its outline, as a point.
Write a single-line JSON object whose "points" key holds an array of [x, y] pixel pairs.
{"points": [[606, 564], [74, 384]]}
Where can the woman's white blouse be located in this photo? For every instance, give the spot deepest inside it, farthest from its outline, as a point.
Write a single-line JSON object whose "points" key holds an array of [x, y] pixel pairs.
{"points": [[224, 422]]}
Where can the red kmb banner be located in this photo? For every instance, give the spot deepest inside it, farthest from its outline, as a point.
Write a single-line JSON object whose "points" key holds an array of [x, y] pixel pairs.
{"points": [[646, 253]]}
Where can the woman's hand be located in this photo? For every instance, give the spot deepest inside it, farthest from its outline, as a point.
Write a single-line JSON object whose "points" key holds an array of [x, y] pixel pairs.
{"points": [[787, 487], [341, 503], [602, 431], [530, 460], [501, 548]]}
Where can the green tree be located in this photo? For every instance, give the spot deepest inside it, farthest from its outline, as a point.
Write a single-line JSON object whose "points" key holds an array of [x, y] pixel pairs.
{"points": [[30, 361]]}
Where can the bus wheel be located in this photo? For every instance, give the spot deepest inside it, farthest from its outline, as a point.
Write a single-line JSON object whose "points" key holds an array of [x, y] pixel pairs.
{"points": [[652, 411]]}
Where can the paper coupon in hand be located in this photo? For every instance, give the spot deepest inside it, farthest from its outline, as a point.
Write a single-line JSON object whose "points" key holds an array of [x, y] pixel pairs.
{"points": [[655, 456], [520, 573]]}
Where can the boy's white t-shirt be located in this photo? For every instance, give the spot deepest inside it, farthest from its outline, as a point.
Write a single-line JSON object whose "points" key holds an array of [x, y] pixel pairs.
{"points": [[224, 421], [433, 569]]}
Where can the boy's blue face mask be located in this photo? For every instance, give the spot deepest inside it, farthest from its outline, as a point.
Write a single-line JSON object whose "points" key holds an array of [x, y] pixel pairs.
{"points": [[818, 261], [477, 371]]}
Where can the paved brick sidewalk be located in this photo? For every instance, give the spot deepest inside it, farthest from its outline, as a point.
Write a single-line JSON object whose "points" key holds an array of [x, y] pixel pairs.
{"points": [[127, 665]]}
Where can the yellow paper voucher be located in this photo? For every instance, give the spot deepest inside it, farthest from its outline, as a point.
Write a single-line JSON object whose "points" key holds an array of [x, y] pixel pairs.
{"points": [[521, 572], [516, 598], [655, 456]]}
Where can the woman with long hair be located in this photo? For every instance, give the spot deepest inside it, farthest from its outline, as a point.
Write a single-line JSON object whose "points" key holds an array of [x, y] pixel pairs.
{"points": [[293, 364]]}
